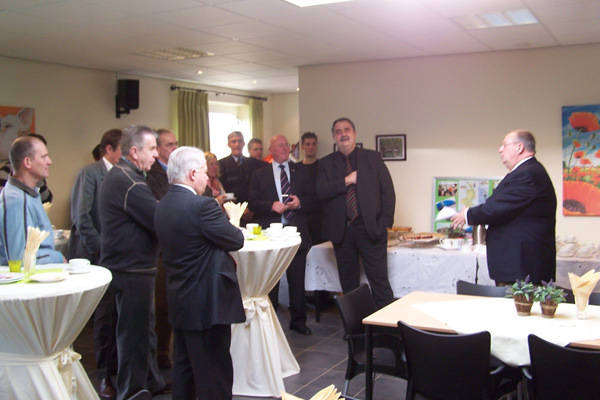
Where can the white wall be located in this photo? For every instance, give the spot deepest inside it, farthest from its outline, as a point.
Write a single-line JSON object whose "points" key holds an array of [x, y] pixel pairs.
{"points": [[75, 106], [455, 111]]}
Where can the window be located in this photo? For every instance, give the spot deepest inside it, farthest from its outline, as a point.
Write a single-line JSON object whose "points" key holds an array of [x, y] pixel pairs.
{"points": [[224, 118]]}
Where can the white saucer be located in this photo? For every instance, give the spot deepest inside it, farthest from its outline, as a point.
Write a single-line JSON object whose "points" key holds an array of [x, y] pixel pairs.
{"points": [[10, 277], [439, 246], [50, 277], [81, 271], [295, 234], [278, 238]]}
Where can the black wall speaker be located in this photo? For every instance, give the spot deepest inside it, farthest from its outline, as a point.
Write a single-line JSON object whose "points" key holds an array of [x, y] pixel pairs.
{"points": [[128, 96]]}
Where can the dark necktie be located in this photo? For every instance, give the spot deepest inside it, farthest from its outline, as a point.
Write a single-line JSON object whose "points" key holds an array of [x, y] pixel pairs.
{"points": [[239, 162], [351, 209], [286, 189]]}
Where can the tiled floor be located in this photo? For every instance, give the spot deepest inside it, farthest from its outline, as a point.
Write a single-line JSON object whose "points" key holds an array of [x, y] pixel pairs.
{"points": [[322, 358]]}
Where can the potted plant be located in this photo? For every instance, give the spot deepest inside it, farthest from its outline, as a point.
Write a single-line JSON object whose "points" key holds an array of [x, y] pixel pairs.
{"points": [[549, 297], [522, 293]]}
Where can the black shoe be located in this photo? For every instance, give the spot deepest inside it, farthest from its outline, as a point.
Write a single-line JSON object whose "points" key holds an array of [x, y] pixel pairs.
{"points": [[106, 389], [168, 388], [301, 329]]}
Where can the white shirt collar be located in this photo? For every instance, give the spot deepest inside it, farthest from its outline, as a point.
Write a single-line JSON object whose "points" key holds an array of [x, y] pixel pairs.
{"points": [[188, 187], [520, 162], [107, 164]]}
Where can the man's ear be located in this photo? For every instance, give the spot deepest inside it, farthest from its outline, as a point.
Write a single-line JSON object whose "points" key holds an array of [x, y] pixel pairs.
{"points": [[133, 153], [27, 162]]}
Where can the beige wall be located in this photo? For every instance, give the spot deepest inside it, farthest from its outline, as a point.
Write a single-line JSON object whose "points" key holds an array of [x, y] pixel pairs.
{"points": [[75, 106], [455, 111]]}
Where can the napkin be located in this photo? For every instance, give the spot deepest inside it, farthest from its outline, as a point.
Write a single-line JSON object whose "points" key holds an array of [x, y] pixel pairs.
{"points": [[446, 213], [329, 393], [47, 207], [35, 237], [583, 286], [235, 211]]}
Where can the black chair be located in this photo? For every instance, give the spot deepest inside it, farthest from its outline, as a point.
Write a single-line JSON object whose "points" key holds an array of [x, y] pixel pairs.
{"points": [[562, 372], [594, 298], [472, 289], [388, 353], [452, 367]]}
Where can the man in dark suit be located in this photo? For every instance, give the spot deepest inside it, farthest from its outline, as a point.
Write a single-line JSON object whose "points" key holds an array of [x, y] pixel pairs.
{"points": [[273, 203], [359, 205], [202, 288], [157, 179], [236, 170], [520, 214], [84, 242]]}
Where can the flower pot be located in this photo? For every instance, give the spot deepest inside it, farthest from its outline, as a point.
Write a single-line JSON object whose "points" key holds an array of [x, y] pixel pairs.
{"points": [[548, 309], [523, 305]]}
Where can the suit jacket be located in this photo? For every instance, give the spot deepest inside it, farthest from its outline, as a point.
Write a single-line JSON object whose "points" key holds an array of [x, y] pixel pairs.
{"points": [[521, 214], [263, 193], [236, 179], [195, 238], [158, 181], [374, 191], [84, 241]]}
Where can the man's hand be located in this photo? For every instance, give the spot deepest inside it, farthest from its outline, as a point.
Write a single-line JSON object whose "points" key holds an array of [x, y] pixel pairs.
{"points": [[459, 220], [351, 178], [293, 203], [278, 207]]}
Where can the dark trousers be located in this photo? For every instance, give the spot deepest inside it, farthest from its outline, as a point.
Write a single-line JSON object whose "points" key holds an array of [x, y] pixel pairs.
{"points": [[163, 328], [136, 341], [202, 367], [105, 347], [357, 246], [295, 277]]}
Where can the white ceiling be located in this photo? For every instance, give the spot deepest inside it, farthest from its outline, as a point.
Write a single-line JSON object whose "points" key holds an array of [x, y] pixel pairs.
{"points": [[259, 44]]}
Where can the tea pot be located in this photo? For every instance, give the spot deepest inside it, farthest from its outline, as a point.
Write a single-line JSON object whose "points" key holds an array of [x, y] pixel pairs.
{"points": [[479, 234]]}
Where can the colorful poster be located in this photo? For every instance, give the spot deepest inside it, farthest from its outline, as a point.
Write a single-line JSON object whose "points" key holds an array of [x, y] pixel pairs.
{"points": [[581, 160], [14, 122], [459, 193]]}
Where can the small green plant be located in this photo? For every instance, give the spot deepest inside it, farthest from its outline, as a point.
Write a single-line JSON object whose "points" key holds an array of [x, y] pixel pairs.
{"points": [[521, 288], [549, 293]]}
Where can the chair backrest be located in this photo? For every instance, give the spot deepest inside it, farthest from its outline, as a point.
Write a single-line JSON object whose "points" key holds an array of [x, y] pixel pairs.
{"points": [[472, 289], [594, 297], [450, 367], [562, 372], [354, 307]]}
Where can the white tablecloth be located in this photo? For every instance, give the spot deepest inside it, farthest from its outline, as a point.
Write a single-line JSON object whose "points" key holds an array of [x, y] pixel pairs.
{"points": [[426, 269], [39, 322], [261, 354], [508, 330]]}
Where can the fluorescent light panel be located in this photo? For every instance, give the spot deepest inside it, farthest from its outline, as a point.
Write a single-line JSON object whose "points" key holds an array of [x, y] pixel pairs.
{"points": [[308, 3], [496, 19]]}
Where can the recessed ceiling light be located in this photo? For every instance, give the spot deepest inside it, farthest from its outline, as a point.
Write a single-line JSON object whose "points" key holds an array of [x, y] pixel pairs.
{"points": [[496, 19], [308, 3], [199, 72], [254, 81]]}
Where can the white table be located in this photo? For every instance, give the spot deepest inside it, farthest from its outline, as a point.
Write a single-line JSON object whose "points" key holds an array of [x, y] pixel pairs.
{"points": [[426, 268], [40, 321], [260, 352]]}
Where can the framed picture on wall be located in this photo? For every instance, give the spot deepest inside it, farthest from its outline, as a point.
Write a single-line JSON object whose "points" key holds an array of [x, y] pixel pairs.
{"points": [[391, 147], [357, 145]]}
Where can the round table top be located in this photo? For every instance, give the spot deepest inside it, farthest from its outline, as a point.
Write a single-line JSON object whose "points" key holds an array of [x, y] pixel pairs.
{"points": [[74, 283], [269, 244]]}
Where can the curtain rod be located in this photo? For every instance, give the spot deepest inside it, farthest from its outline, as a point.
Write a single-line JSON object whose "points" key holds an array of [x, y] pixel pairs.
{"points": [[175, 87]]}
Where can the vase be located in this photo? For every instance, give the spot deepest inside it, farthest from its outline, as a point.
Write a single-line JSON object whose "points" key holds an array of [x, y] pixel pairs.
{"points": [[548, 309], [523, 305]]}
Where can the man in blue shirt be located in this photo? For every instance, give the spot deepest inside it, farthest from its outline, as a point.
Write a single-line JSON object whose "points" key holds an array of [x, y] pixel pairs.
{"points": [[21, 205]]}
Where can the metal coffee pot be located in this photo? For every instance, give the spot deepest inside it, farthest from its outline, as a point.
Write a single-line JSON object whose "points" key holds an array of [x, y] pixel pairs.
{"points": [[479, 234]]}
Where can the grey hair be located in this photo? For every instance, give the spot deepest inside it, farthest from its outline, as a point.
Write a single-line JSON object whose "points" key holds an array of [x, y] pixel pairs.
{"points": [[182, 160], [526, 138], [234, 134], [20, 149], [133, 136]]}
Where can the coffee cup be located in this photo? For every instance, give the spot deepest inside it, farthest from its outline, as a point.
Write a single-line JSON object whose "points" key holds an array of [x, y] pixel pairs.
{"points": [[276, 226], [290, 230], [79, 264], [448, 243]]}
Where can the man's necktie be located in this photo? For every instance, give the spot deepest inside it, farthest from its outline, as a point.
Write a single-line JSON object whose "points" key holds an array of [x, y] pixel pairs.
{"points": [[351, 209], [239, 162], [286, 189]]}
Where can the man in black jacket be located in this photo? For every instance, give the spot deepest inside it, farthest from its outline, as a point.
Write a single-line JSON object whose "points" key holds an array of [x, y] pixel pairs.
{"points": [[202, 288], [129, 248], [359, 205]]}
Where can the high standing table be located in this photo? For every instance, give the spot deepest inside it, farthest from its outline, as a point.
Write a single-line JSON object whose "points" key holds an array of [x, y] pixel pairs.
{"points": [[498, 316], [260, 352], [39, 322]]}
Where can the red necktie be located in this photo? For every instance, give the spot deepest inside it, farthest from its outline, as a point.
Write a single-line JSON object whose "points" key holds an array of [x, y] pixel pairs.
{"points": [[351, 209]]}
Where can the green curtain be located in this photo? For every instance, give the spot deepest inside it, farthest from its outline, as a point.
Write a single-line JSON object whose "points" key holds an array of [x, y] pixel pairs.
{"points": [[192, 119], [256, 118]]}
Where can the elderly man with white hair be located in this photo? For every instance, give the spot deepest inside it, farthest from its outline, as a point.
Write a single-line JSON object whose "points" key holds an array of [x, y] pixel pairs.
{"points": [[203, 294]]}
